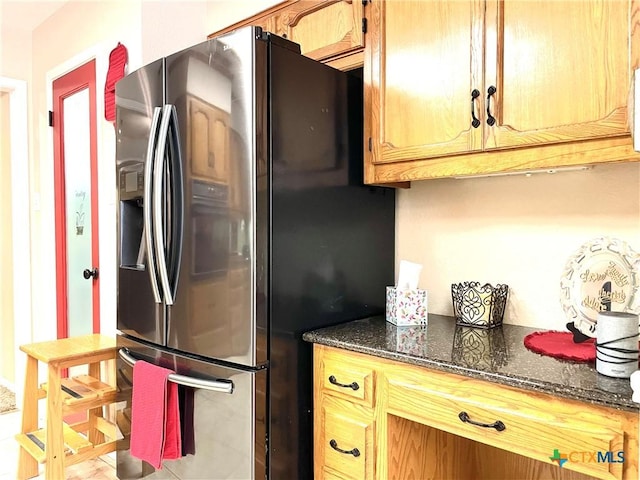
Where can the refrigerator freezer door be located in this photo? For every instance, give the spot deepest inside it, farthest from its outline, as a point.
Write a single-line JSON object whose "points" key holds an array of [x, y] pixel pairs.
{"points": [[138, 98], [219, 91], [228, 430]]}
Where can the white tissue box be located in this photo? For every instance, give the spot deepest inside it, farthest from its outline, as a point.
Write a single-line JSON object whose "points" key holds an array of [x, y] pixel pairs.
{"points": [[406, 307]]}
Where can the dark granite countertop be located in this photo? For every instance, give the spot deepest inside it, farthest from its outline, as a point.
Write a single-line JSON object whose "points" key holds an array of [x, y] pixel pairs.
{"points": [[496, 355]]}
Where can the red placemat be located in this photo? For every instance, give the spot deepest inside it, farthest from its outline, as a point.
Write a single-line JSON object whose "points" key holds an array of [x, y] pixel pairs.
{"points": [[561, 345]]}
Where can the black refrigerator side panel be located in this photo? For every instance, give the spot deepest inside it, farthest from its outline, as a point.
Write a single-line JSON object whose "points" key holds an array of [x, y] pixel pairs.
{"points": [[332, 238], [137, 97]]}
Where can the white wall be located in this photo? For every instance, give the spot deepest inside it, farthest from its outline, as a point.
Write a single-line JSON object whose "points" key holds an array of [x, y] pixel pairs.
{"points": [[516, 230]]}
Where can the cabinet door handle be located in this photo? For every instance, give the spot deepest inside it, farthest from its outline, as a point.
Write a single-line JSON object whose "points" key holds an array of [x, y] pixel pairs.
{"points": [[490, 119], [498, 425], [353, 385], [475, 123], [354, 451]]}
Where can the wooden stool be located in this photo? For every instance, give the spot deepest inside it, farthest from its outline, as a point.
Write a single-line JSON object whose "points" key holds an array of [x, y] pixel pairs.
{"points": [[60, 445]]}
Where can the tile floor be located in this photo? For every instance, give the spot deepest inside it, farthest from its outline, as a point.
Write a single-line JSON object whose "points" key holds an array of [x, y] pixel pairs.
{"points": [[102, 468]]}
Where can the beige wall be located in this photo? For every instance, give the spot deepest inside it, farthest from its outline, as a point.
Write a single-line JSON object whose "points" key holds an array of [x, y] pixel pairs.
{"points": [[15, 53], [222, 13], [172, 27], [15, 63], [97, 27], [7, 364], [516, 230], [149, 29]]}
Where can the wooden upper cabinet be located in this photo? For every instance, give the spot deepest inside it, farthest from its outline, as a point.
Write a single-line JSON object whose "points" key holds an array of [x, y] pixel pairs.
{"points": [[545, 74], [267, 23], [562, 70], [423, 72], [324, 29]]}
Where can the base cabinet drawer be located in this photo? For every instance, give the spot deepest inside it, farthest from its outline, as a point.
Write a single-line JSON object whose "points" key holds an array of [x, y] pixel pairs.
{"points": [[352, 381], [344, 440], [527, 423]]}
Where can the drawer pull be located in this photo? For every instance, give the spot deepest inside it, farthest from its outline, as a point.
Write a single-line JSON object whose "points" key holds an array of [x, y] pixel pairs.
{"points": [[353, 385], [498, 425], [354, 451]]}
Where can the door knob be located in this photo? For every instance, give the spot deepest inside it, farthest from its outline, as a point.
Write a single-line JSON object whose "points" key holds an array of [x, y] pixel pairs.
{"points": [[90, 273]]}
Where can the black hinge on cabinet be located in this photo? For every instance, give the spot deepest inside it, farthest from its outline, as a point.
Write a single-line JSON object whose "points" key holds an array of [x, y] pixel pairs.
{"points": [[364, 3], [370, 145], [364, 25], [50, 118]]}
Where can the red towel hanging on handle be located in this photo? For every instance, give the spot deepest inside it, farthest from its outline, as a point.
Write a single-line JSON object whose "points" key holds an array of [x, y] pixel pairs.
{"points": [[117, 62], [155, 415]]}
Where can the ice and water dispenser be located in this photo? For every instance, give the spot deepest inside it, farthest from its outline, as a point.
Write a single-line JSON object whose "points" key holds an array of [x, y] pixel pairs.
{"points": [[131, 187]]}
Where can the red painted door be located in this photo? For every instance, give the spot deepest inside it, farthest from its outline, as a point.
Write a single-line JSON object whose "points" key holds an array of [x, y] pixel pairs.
{"points": [[76, 202]]}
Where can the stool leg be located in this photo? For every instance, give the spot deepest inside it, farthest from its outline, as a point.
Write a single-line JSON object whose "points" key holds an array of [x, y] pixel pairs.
{"points": [[54, 467], [95, 436], [27, 465]]}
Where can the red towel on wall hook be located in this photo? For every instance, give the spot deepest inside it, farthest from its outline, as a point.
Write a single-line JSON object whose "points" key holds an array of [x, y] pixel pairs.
{"points": [[117, 62]]}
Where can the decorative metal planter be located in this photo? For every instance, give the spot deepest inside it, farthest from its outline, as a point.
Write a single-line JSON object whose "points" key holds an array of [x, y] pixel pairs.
{"points": [[479, 306]]}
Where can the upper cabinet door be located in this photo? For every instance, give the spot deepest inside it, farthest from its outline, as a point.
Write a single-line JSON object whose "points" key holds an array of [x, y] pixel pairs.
{"points": [[323, 28], [332, 31], [549, 74], [423, 66], [561, 70]]}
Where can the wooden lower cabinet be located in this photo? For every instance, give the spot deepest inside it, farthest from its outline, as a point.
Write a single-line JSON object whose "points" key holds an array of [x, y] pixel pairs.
{"points": [[417, 451], [422, 424], [345, 441]]}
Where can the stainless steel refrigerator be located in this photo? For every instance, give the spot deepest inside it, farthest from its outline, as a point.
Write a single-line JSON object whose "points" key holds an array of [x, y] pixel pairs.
{"points": [[242, 223]]}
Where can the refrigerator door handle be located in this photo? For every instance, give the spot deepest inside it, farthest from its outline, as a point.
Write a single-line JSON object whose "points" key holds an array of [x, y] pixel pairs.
{"points": [[177, 203], [222, 386], [148, 205], [158, 231]]}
